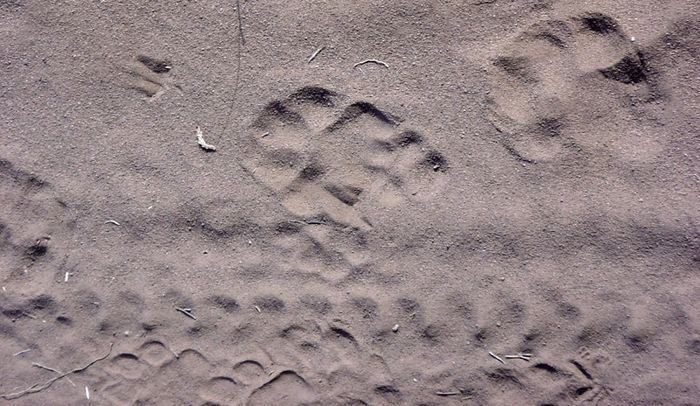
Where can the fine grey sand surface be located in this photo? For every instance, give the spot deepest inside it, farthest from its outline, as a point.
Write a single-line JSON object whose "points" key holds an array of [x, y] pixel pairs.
{"points": [[507, 177]]}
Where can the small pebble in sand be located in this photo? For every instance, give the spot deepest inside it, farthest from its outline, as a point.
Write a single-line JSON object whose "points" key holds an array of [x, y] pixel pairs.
{"points": [[502, 279], [395, 329]]}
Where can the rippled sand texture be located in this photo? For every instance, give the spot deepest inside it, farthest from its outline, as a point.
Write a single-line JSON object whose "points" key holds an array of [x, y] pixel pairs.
{"points": [[514, 177]]}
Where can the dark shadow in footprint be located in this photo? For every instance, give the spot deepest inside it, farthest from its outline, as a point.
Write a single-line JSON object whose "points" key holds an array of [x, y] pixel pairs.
{"points": [[340, 332], [312, 171], [38, 249], [277, 111], [435, 161], [270, 303], [358, 109], [407, 138], [315, 95], [155, 65], [389, 392], [317, 304], [227, 304], [629, 70], [518, 67], [600, 23], [346, 194], [27, 180], [546, 367], [553, 32]]}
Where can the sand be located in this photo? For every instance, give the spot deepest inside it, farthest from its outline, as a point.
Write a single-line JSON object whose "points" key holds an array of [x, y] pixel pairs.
{"points": [[517, 177]]}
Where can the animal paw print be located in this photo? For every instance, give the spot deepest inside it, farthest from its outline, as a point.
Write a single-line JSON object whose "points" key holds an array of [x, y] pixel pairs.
{"points": [[148, 76], [590, 366], [30, 215], [329, 159], [595, 360], [578, 381], [551, 84]]}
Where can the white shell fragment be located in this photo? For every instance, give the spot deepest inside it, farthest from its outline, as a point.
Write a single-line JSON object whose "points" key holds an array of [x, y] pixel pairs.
{"points": [[203, 144]]}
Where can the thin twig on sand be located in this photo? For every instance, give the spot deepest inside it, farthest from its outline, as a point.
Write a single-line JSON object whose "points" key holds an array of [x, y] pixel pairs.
{"points": [[309, 222], [21, 352], [177, 356], [525, 357], [315, 54], [450, 393], [187, 312], [38, 387], [38, 365], [378, 62], [497, 357]]}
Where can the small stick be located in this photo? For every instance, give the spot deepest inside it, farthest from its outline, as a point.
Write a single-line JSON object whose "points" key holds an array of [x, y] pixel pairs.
{"points": [[112, 222], [451, 393], [265, 134], [38, 387], [21, 352], [203, 144], [378, 62], [315, 54], [258, 309], [65, 279], [38, 365], [87, 393], [310, 222], [525, 357], [497, 357], [187, 312], [177, 356]]}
